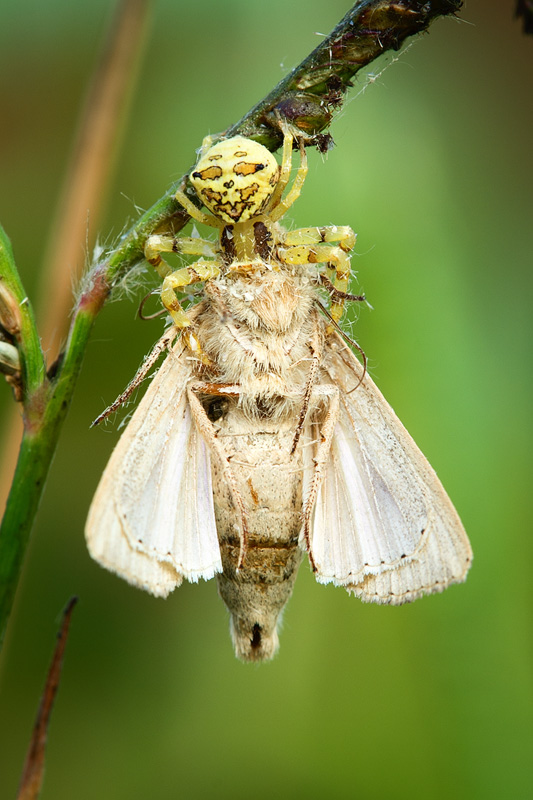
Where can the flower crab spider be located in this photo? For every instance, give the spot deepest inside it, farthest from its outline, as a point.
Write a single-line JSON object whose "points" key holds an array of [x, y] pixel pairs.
{"points": [[242, 185]]}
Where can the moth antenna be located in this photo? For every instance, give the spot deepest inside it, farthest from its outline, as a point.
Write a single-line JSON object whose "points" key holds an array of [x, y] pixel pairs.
{"points": [[163, 344], [337, 294], [350, 341], [143, 316], [359, 382]]}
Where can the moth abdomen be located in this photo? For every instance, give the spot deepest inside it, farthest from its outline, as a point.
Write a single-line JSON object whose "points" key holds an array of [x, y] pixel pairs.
{"points": [[265, 563], [256, 594]]}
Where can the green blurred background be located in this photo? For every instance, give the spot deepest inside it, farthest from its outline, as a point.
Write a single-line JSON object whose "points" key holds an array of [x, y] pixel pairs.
{"points": [[433, 170]]}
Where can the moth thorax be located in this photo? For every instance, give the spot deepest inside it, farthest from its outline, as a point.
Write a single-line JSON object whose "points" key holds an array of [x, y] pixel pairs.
{"points": [[235, 179]]}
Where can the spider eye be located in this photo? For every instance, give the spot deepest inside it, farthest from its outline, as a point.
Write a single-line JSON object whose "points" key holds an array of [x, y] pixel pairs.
{"points": [[208, 174]]}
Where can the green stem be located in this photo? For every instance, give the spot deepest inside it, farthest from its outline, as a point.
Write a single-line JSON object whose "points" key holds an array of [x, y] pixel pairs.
{"points": [[30, 474], [17, 318], [311, 94], [44, 414]]}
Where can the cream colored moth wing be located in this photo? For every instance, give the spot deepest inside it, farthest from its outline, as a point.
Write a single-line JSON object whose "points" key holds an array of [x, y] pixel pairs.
{"points": [[383, 526], [152, 518]]}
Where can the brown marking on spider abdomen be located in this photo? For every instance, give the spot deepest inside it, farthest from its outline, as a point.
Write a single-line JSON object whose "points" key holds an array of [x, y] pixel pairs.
{"points": [[227, 242], [263, 240], [211, 196], [248, 191]]}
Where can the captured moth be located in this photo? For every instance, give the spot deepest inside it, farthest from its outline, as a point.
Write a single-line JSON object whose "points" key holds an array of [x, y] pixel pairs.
{"points": [[261, 437]]}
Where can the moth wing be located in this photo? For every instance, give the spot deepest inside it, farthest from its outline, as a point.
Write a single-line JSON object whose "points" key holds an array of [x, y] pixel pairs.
{"points": [[152, 518], [383, 525]]}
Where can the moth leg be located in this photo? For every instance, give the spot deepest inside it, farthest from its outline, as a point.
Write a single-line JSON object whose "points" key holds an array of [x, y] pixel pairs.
{"points": [[163, 344], [206, 428], [337, 294], [316, 345], [298, 248], [320, 459]]}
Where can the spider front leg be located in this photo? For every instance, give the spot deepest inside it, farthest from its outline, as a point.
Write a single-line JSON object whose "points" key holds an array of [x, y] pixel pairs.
{"points": [[201, 270], [298, 248], [196, 214], [285, 169], [189, 245], [279, 207]]}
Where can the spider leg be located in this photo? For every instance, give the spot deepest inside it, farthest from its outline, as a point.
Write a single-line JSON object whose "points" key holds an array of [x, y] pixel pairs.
{"points": [[294, 193], [194, 212], [312, 246], [201, 270], [207, 143], [156, 244], [285, 171]]}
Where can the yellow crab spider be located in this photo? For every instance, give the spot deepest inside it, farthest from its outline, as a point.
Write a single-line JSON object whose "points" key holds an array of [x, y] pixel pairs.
{"points": [[241, 184]]}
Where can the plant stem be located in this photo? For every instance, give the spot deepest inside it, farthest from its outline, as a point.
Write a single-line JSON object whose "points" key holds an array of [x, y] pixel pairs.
{"points": [[17, 318], [33, 772], [44, 414]]}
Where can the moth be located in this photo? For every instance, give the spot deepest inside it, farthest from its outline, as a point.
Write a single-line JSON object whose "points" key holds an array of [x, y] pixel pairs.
{"points": [[262, 437]]}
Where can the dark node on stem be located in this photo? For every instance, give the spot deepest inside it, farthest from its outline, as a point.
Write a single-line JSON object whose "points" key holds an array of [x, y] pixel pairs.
{"points": [[97, 292], [335, 90], [305, 111], [55, 368]]}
